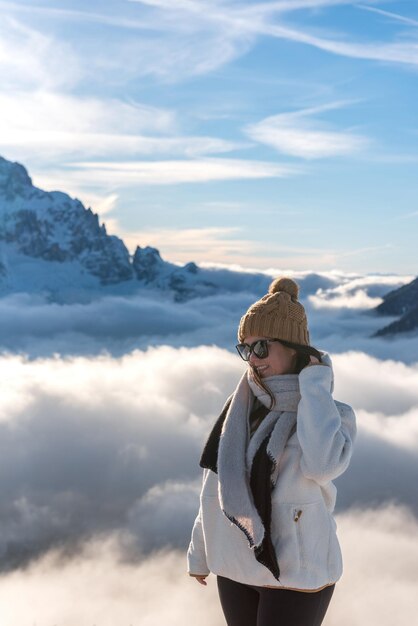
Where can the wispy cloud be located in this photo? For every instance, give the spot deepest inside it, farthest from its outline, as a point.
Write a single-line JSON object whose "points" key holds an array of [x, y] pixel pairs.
{"points": [[49, 124], [42, 118], [98, 184], [260, 8], [159, 53], [393, 16], [229, 245], [405, 216], [105, 144], [288, 6], [295, 133], [230, 29], [366, 249], [182, 245], [30, 59], [243, 20], [175, 171], [62, 13]]}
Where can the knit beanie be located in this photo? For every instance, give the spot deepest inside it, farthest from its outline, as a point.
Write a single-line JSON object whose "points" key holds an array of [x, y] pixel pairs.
{"points": [[278, 315]]}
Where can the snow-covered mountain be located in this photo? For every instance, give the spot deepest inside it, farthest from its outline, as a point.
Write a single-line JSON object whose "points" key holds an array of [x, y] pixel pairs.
{"points": [[50, 244], [54, 247], [54, 227], [187, 281]]}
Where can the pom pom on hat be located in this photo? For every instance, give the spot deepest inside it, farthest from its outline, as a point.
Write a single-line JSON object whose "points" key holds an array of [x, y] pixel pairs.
{"points": [[285, 284]]}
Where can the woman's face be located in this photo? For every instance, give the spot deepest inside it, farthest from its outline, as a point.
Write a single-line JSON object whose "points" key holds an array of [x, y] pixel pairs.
{"points": [[280, 359]]}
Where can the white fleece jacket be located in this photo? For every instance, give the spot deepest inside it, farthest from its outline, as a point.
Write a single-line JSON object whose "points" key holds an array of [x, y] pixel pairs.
{"points": [[303, 529]]}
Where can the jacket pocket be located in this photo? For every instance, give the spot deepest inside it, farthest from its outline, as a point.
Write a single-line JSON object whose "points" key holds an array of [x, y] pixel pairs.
{"points": [[313, 533], [285, 538]]}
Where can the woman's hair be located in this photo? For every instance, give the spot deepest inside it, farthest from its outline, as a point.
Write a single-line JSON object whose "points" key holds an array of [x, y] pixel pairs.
{"points": [[257, 378], [303, 354]]}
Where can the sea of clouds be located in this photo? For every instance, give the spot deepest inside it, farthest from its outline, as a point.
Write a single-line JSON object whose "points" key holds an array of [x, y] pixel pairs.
{"points": [[100, 438], [340, 309], [99, 486]]}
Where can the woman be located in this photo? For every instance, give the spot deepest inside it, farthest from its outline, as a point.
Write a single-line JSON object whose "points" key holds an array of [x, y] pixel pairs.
{"points": [[265, 526]]}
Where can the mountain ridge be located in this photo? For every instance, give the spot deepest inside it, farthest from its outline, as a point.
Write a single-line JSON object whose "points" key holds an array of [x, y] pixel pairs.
{"points": [[51, 226], [403, 302], [55, 227], [52, 244]]}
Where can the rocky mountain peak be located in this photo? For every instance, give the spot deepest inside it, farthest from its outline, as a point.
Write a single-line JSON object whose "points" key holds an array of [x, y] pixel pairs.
{"points": [[51, 226], [14, 179], [55, 227], [147, 263]]}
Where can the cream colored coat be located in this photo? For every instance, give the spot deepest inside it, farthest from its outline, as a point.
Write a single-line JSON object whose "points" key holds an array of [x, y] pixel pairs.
{"points": [[303, 529]]}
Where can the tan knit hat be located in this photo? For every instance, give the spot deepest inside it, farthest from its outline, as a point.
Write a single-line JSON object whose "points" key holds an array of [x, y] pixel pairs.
{"points": [[278, 315]]}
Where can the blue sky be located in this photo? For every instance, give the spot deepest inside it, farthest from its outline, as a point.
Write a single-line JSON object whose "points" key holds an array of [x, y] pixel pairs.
{"points": [[264, 134]]}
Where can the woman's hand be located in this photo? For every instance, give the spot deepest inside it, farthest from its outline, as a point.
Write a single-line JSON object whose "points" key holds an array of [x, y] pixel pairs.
{"points": [[200, 578], [313, 361]]}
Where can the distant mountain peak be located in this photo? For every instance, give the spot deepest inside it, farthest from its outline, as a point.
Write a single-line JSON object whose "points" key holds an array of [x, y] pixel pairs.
{"points": [[14, 179], [403, 302], [55, 227], [147, 263], [52, 227]]}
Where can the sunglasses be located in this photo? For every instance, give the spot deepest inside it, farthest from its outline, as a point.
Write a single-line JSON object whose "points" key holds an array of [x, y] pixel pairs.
{"points": [[259, 348]]}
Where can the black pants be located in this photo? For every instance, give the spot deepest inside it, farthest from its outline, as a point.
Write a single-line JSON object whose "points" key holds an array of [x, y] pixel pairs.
{"points": [[249, 605]]}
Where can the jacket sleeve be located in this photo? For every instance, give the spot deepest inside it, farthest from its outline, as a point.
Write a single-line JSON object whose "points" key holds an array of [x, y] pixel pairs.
{"points": [[326, 430], [196, 553]]}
